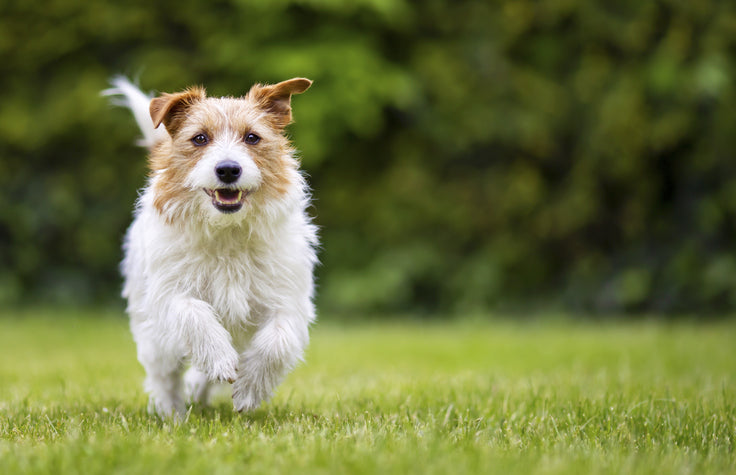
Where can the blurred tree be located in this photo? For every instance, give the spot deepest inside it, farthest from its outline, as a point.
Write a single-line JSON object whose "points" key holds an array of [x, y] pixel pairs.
{"points": [[463, 154]]}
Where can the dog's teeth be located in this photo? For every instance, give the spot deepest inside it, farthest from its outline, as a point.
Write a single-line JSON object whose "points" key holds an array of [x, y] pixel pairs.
{"points": [[227, 200]]}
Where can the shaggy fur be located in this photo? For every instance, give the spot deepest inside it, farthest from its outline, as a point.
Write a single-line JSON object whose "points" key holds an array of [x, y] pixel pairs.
{"points": [[219, 258]]}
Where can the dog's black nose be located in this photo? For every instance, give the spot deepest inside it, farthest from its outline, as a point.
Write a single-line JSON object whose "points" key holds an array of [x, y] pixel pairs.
{"points": [[228, 171]]}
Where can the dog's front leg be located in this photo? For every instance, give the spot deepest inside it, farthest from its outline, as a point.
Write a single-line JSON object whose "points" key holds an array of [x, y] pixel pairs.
{"points": [[275, 348], [194, 323]]}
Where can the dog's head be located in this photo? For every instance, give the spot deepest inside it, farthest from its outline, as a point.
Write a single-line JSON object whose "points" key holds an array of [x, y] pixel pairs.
{"points": [[226, 155]]}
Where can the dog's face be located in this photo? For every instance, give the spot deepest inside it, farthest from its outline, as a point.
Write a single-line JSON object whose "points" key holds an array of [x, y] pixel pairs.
{"points": [[226, 155]]}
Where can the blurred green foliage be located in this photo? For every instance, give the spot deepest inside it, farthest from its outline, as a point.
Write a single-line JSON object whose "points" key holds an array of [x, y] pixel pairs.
{"points": [[463, 154]]}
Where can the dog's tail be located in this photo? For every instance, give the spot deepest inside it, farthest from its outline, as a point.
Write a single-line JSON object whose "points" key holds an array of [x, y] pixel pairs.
{"points": [[127, 94]]}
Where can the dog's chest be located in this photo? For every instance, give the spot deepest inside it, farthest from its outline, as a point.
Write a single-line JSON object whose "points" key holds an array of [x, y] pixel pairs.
{"points": [[232, 282]]}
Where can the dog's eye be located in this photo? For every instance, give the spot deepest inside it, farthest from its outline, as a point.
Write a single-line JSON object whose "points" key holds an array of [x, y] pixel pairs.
{"points": [[252, 139], [200, 139]]}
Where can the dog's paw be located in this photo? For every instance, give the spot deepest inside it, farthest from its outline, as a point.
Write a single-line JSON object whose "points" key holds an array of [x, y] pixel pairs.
{"points": [[220, 366], [166, 408], [248, 396]]}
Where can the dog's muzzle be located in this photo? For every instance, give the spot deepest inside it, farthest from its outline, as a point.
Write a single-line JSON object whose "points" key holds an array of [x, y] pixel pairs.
{"points": [[227, 199]]}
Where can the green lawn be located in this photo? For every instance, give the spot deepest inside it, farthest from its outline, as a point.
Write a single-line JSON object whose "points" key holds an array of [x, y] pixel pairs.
{"points": [[409, 397]]}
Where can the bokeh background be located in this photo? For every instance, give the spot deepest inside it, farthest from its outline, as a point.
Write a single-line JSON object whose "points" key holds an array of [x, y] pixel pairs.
{"points": [[466, 156]]}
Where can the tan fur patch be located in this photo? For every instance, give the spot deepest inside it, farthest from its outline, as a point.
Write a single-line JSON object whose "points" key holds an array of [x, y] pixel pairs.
{"points": [[171, 109], [276, 99], [172, 170]]}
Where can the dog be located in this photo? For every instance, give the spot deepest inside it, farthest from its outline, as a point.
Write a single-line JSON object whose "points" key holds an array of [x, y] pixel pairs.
{"points": [[218, 261]]}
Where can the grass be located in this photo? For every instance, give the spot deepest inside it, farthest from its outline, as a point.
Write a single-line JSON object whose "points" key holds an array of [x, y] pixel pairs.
{"points": [[407, 397]]}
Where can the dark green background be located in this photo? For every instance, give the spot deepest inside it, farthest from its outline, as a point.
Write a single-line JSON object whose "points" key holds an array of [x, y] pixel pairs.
{"points": [[465, 155]]}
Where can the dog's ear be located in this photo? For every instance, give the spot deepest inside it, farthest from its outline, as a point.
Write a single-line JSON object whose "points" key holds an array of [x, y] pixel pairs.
{"points": [[276, 99], [170, 109]]}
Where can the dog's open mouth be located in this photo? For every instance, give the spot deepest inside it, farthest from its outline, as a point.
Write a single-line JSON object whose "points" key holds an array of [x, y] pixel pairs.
{"points": [[227, 200]]}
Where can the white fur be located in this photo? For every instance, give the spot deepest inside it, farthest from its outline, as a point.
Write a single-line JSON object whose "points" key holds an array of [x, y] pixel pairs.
{"points": [[229, 293], [229, 146], [137, 101]]}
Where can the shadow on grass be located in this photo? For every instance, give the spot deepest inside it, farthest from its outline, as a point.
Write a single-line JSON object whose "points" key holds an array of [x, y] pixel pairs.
{"points": [[270, 415]]}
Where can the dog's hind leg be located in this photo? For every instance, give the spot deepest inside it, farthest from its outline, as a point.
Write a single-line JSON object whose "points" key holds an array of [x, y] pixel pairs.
{"points": [[196, 386], [163, 385], [163, 379]]}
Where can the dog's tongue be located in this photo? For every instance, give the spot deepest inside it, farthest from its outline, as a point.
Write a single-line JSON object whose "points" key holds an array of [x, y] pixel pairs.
{"points": [[226, 196]]}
